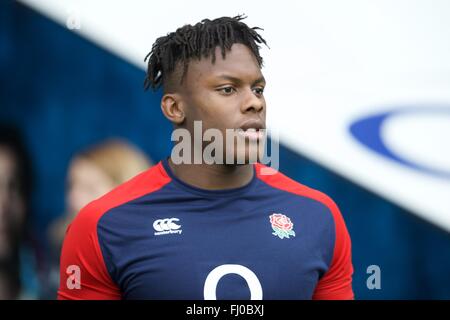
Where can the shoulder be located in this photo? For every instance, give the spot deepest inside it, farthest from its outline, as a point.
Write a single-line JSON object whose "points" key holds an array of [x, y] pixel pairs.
{"points": [[144, 183], [277, 180], [82, 247]]}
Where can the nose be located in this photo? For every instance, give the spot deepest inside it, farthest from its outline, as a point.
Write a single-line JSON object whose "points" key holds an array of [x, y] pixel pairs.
{"points": [[252, 102]]}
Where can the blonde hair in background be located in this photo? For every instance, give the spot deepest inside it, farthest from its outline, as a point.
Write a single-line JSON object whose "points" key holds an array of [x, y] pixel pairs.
{"points": [[120, 160]]}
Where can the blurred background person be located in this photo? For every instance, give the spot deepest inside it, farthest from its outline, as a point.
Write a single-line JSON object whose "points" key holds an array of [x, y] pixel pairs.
{"points": [[15, 235], [92, 173]]}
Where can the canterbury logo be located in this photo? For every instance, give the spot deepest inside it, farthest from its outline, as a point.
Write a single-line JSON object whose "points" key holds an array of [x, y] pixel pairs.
{"points": [[166, 226]]}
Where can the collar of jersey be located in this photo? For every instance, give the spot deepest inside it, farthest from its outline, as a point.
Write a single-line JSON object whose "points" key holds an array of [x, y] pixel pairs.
{"points": [[205, 192]]}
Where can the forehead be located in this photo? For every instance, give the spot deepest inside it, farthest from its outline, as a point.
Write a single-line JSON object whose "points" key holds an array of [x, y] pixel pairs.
{"points": [[239, 62]]}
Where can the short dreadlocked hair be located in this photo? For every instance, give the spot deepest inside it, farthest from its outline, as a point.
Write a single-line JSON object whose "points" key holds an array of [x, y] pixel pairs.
{"points": [[176, 49]]}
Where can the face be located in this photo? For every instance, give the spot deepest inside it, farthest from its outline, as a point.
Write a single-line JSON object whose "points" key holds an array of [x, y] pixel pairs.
{"points": [[226, 95], [12, 204], [86, 182]]}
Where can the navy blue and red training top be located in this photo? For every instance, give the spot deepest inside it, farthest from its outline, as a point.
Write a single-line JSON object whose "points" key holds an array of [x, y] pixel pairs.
{"points": [[155, 237]]}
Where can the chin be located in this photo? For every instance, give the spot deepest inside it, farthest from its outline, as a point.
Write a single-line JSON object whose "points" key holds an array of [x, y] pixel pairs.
{"points": [[245, 156]]}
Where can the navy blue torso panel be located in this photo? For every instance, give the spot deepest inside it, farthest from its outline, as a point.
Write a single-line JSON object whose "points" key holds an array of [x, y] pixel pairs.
{"points": [[181, 242]]}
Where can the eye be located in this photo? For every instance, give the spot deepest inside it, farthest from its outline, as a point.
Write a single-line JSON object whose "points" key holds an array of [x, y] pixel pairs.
{"points": [[258, 90], [226, 90]]}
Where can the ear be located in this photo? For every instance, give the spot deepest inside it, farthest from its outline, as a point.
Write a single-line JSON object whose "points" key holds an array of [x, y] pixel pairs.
{"points": [[172, 108]]}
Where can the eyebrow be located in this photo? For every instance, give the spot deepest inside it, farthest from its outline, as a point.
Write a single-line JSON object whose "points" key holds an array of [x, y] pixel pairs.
{"points": [[239, 81]]}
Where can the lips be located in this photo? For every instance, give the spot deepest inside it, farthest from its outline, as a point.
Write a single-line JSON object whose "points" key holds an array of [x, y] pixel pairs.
{"points": [[251, 129], [252, 124]]}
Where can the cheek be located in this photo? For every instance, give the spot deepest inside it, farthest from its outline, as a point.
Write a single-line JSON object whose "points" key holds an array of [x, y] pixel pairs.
{"points": [[214, 111], [103, 186], [76, 199]]}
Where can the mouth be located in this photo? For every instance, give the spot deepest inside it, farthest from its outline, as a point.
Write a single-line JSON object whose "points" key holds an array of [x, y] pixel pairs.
{"points": [[252, 129]]}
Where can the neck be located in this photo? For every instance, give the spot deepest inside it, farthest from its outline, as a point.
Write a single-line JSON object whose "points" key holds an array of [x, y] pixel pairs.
{"points": [[213, 177]]}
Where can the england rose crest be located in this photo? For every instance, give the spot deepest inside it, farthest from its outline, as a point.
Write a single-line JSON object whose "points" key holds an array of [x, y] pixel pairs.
{"points": [[282, 226]]}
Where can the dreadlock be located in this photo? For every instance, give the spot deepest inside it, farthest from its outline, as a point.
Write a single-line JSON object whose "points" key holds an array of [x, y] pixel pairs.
{"points": [[198, 41]]}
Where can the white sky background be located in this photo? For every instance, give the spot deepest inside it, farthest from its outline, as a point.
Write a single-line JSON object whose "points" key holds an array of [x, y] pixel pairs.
{"points": [[330, 63]]}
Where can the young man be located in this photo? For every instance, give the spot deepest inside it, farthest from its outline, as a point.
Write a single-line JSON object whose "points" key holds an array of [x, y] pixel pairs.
{"points": [[209, 231]]}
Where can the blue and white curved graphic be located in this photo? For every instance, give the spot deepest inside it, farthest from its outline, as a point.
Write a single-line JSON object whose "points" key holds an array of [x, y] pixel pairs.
{"points": [[369, 132]]}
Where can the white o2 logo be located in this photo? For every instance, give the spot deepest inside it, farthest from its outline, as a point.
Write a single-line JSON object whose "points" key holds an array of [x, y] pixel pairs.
{"points": [[213, 278]]}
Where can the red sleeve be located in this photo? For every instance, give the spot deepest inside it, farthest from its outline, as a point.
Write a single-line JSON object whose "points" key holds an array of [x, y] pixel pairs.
{"points": [[336, 284], [83, 273]]}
